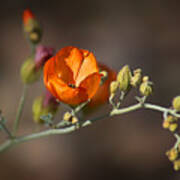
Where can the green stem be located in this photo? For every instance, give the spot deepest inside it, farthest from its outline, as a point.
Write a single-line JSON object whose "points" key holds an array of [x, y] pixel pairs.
{"points": [[177, 141], [145, 106], [20, 109], [21, 139], [6, 130]]}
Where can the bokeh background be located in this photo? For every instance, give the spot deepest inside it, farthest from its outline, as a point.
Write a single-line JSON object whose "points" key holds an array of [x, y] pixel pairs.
{"points": [[142, 34]]}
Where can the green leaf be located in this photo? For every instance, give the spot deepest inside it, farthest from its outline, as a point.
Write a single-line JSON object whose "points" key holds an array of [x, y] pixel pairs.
{"points": [[47, 119]]}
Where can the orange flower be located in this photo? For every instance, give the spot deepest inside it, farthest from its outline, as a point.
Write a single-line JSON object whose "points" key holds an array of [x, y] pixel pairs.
{"points": [[27, 15], [72, 75], [102, 95]]}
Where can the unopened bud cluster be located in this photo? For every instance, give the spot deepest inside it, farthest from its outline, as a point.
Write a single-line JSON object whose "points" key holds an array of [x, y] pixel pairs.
{"points": [[127, 80], [70, 118], [146, 87], [170, 122], [173, 156], [32, 28], [32, 66]]}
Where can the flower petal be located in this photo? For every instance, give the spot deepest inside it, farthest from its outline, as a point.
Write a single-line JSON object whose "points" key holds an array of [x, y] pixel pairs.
{"points": [[88, 66], [73, 58], [62, 70], [48, 69], [102, 94], [65, 93], [91, 84]]}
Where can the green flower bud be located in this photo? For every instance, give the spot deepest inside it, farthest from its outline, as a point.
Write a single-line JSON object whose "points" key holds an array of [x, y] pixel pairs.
{"points": [[42, 106], [114, 87], [124, 78], [137, 77], [145, 89], [176, 165], [33, 31], [176, 103], [172, 154], [29, 74], [34, 37], [171, 118], [37, 109], [173, 127], [31, 25], [145, 79]]}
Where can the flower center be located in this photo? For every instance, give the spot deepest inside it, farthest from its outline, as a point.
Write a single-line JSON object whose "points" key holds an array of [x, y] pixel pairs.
{"points": [[72, 85]]}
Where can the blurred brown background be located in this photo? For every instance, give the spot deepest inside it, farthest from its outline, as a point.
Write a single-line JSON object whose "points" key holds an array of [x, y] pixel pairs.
{"points": [[142, 34]]}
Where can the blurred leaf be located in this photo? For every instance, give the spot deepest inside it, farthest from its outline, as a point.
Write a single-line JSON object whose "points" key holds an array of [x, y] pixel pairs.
{"points": [[47, 119]]}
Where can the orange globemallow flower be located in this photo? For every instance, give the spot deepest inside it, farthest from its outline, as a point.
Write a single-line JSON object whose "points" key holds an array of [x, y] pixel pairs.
{"points": [[27, 15], [72, 75], [102, 95]]}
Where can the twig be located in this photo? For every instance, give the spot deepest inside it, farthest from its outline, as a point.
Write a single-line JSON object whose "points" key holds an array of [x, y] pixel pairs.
{"points": [[20, 109]]}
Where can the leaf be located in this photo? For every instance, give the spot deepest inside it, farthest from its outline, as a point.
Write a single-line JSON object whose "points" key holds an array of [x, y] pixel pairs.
{"points": [[47, 119]]}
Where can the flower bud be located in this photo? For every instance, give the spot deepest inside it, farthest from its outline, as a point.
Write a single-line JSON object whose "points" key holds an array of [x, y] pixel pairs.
{"points": [[114, 87], [31, 27], [176, 103], [67, 116], [29, 74], [136, 78], [166, 124], [124, 78], [145, 79], [145, 88], [70, 118], [173, 127], [104, 76], [27, 16], [172, 154], [44, 105], [74, 120], [176, 165], [171, 118], [42, 55]]}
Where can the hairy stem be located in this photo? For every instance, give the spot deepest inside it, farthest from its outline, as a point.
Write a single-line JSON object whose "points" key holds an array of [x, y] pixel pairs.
{"points": [[21, 139], [145, 106]]}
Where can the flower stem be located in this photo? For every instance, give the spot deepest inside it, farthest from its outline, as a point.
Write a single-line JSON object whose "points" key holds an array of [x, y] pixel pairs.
{"points": [[20, 109], [145, 106], [11, 142], [6, 130]]}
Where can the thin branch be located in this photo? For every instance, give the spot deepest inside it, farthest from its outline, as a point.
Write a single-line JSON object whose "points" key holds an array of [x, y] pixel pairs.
{"points": [[72, 128], [20, 109], [46, 133], [6, 130], [145, 106]]}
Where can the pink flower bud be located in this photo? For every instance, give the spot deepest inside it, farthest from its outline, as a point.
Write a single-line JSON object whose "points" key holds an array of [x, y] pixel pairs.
{"points": [[49, 99], [42, 55]]}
